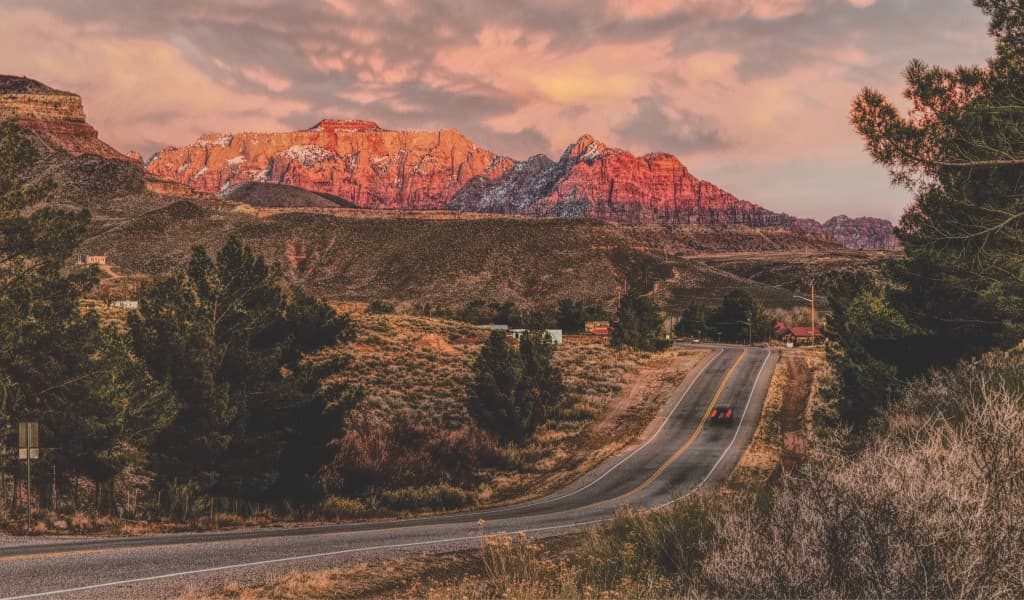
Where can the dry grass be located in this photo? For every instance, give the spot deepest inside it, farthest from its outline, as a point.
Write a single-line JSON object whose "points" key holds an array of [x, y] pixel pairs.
{"points": [[415, 369], [780, 442]]}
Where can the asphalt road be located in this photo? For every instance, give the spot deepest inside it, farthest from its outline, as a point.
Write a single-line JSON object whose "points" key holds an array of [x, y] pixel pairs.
{"points": [[685, 453]]}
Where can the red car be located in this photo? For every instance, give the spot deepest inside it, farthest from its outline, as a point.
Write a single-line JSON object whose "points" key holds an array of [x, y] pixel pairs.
{"points": [[721, 414]]}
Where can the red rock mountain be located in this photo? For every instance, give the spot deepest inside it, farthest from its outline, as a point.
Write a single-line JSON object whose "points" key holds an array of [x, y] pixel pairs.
{"points": [[593, 180], [57, 118], [362, 163], [354, 160]]}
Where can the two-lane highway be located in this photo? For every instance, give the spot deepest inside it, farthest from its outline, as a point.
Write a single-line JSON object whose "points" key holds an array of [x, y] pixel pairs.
{"points": [[684, 453]]}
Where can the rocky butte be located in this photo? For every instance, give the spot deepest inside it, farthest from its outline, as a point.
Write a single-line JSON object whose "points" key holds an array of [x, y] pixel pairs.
{"points": [[56, 117]]}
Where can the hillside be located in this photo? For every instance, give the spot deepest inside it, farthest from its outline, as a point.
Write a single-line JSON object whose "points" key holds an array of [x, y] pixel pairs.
{"points": [[445, 262], [278, 195], [413, 373]]}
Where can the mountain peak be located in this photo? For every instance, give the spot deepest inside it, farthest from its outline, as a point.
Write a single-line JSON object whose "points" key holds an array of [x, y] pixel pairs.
{"points": [[584, 149]]}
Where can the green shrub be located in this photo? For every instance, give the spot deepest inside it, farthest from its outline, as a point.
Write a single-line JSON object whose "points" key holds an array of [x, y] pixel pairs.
{"points": [[336, 508], [435, 497], [379, 307]]}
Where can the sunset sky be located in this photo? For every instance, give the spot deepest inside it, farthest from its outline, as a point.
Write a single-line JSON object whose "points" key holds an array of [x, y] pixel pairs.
{"points": [[752, 95]]}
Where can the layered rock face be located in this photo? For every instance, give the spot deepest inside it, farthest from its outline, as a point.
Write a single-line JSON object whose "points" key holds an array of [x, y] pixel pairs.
{"points": [[593, 180], [56, 117], [361, 163], [355, 160]]}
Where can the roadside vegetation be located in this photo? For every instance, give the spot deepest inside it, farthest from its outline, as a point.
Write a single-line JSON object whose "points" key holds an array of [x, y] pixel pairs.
{"points": [[414, 440]]}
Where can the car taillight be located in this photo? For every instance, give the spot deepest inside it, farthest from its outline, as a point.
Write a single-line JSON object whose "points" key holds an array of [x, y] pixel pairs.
{"points": [[728, 413], [714, 414]]}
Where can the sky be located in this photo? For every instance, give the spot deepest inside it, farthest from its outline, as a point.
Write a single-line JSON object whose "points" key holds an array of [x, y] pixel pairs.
{"points": [[752, 95]]}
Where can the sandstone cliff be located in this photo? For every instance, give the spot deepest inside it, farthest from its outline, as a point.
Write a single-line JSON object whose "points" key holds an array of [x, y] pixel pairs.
{"points": [[56, 118], [354, 160], [368, 166]]}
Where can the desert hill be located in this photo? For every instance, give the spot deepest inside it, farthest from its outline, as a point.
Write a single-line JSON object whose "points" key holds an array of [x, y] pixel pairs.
{"points": [[279, 195]]}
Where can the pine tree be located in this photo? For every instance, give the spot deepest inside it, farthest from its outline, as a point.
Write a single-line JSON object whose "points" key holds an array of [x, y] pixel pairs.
{"points": [[960, 287], [230, 344], [53, 356], [638, 324], [693, 322], [514, 390], [740, 318]]}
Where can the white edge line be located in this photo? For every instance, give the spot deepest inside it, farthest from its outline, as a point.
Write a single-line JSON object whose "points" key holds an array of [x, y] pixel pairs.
{"points": [[441, 541], [293, 558]]}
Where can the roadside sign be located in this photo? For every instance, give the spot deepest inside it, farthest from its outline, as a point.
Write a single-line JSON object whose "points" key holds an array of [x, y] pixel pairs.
{"points": [[28, 441]]}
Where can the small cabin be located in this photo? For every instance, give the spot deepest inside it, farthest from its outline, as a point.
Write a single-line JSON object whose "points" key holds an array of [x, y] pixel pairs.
{"points": [[598, 327]]}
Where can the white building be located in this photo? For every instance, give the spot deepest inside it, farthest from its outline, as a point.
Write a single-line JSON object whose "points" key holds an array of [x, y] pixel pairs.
{"points": [[554, 334]]}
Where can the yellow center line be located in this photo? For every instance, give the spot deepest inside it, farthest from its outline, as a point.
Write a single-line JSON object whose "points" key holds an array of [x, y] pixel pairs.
{"points": [[55, 553], [693, 437]]}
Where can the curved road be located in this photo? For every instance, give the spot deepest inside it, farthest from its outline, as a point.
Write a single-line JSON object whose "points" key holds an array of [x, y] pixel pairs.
{"points": [[684, 453]]}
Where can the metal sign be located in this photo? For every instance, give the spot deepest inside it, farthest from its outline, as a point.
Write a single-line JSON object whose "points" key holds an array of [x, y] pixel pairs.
{"points": [[28, 441]]}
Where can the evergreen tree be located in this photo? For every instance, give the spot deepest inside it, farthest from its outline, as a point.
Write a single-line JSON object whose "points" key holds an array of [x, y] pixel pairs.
{"points": [[740, 318], [959, 289], [874, 338], [54, 357], [638, 324], [572, 316], [229, 342], [514, 390], [541, 386], [693, 322]]}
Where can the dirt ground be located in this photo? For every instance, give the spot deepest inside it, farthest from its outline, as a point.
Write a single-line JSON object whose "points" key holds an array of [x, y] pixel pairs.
{"points": [[780, 443]]}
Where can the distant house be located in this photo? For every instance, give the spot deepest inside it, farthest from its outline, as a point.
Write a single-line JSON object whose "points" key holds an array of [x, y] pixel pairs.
{"points": [[554, 334], [803, 335], [127, 304], [598, 327], [92, 259]]}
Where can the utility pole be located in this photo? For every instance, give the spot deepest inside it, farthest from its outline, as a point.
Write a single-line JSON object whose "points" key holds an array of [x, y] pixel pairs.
{"points": [[814, 336], [750, 328]]}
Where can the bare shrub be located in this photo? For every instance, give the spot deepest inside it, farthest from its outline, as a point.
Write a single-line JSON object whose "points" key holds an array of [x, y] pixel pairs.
{"points": [[402, 452], [934, 507]]}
